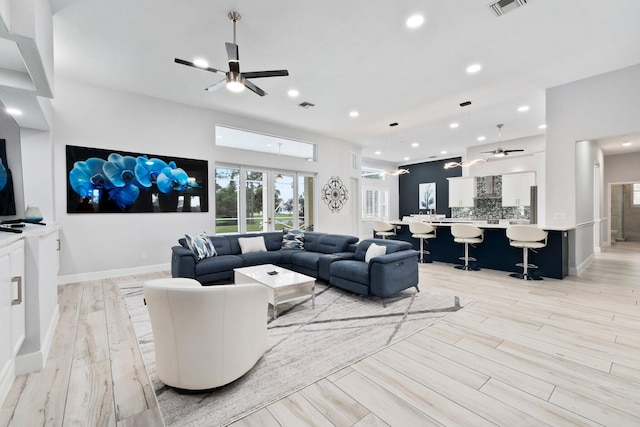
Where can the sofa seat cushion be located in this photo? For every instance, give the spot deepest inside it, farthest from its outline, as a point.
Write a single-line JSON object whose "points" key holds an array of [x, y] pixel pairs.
{"points": [[306, 259], [217, 264], [287, 255], [351, 270], [257, 258]]}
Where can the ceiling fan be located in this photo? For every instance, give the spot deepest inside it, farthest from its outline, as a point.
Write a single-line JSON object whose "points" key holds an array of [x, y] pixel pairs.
{"points": [[235, 80], [499, 152]]}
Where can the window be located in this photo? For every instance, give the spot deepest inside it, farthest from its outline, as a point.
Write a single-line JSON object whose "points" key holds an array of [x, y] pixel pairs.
{"points": [[375, 204], [227, 200], [636, 194]]}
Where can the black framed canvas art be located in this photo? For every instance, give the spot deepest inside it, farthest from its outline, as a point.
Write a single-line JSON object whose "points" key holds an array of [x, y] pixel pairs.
{"points": [[108, 181], [7, 198]]}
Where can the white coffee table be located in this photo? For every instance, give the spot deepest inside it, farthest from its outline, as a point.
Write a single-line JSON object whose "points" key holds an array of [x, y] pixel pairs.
{"points": [[284, 286]]}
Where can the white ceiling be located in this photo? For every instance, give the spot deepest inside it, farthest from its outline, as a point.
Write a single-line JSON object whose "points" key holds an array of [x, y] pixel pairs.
{"points": [[356, 55]]}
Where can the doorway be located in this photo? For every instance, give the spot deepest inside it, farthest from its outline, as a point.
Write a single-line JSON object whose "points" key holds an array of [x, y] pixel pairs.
{"points": [[625, 212]]}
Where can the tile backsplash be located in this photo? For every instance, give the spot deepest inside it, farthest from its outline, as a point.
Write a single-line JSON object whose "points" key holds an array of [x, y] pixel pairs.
{"points": [[491, 208]]}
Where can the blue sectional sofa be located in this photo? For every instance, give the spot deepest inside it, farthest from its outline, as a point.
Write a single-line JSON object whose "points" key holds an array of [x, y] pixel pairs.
{"points": [[335, 258], [320, 250]]}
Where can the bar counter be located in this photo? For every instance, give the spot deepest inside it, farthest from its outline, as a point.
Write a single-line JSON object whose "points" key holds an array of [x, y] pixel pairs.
{"points": [[494, 252]]}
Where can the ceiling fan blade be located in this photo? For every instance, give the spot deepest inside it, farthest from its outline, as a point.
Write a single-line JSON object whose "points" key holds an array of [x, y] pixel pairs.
{"points": [[259, 74], [512, 151], [216, 86], [191, 64], [254, 88], [234, 57]]}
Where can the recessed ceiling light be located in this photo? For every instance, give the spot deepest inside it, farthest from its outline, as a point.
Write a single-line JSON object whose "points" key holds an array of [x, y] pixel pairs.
{"points": [[415, 144], [293, 93], [542, 126], [353, 114], [406, 158], [415, 21], [523, 108], [454, 125], [200, 63], [482, 138], [377, 153], [443, 152], [13, 111], [474, 68], [626, 144]]}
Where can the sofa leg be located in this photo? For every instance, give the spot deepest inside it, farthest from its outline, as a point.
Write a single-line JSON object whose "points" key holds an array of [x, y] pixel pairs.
{"points": [[417, 288], [384, 302]]}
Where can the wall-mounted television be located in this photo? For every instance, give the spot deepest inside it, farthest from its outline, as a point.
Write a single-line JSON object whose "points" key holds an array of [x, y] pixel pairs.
{"points": [[112, 181], [7, 198]]}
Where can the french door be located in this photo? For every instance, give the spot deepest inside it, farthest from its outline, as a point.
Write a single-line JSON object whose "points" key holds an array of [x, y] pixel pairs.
{"points": [[265, 200]]}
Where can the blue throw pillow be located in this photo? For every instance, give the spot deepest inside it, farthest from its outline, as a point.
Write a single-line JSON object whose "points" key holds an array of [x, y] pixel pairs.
{"points": [[201, 246], [293, 239]]}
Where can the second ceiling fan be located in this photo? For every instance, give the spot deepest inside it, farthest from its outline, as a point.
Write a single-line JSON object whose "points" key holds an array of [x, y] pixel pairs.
{"points": [[499, 152], [235, 80]]}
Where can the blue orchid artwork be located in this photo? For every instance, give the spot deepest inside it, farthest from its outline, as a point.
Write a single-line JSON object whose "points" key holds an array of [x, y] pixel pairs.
{"points": [[427, 196], [134, 182]]}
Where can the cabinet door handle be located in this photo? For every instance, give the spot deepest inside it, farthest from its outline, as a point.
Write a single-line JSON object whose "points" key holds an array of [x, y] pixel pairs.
{"points": [[18, 281]]}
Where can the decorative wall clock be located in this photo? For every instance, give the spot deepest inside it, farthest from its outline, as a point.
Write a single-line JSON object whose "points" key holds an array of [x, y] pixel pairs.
{"points": [[334, 194]]}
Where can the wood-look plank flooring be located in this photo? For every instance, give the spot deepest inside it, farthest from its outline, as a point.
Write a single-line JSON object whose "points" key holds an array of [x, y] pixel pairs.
{"points": [[551, 352]]}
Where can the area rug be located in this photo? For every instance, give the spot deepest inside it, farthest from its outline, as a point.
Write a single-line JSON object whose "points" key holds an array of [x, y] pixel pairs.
{"points": [[305, 345]]}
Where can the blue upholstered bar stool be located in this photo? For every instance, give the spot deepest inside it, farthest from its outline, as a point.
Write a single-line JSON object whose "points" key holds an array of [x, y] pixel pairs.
{"points": [[422, 231], [526, 237], [469, 235], [384, 229]]}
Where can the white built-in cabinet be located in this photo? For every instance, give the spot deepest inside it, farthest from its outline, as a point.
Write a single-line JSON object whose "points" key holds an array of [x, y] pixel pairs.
{"points": [[516, 188], [462, 192], [12, 310]]}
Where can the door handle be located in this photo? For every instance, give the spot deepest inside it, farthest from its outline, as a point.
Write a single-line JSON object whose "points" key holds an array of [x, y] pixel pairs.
{"points": [[18, 281]]}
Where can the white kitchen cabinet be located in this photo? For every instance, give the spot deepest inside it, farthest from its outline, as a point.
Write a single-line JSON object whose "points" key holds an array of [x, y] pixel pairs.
{"points": [[462, 192], [12, 311], [516, 188]]}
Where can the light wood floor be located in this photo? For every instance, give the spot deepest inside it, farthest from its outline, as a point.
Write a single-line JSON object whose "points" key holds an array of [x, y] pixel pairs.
{"points": [[552, 352]]}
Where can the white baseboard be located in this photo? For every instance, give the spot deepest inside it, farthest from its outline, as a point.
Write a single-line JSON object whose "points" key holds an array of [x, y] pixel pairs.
{"points": [[575, 271], [36, 360], [108, 274]]}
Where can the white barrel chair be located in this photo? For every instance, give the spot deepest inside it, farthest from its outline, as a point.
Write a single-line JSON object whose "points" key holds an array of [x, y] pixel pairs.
{"points": [[205, 336]]}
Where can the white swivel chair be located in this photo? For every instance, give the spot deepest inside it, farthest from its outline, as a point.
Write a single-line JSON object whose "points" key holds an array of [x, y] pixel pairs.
{"points": [[205, 336], [526, 237], [469, 235], [384, 229], [422, 231]]}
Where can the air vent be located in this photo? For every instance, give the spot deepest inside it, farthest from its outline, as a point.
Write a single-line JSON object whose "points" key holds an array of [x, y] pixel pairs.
{"points": [[306, 105], [505, 6]]}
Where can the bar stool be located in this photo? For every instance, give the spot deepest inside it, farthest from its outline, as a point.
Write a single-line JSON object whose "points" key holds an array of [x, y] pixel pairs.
{"points": [[422, 231], [469, 235], [384, 229], [526, 237]]}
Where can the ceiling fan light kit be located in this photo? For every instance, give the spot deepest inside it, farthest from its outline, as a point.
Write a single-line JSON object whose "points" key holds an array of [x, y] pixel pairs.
{"points": [[234, 80]]}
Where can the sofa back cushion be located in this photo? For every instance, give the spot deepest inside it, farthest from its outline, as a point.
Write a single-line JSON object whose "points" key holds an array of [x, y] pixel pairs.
{"points": [[273, 240], [221, 243], [392, 246], [333, 243]]}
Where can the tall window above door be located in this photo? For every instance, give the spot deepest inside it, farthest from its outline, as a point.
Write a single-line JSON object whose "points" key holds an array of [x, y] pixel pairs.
{"points": [[257, 142]]}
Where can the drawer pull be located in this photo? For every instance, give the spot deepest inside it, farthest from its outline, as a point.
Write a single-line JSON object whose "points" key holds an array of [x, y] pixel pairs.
{"points": [[18, 281]]}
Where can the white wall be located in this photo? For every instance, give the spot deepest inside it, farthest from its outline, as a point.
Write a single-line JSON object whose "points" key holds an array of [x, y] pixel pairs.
{"points": [[604, 105], [92, 116]]}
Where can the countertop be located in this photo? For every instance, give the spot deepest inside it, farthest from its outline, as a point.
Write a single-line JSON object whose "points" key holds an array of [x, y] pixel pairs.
{"points": [[446, 222]]}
